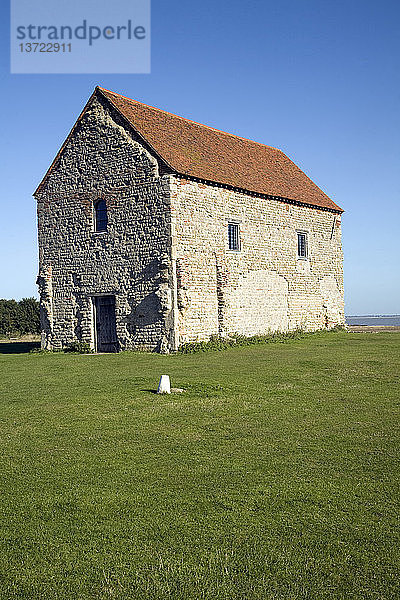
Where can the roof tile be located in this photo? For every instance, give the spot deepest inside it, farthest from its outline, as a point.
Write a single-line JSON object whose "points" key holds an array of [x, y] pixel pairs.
{"points": [[199, 151]]}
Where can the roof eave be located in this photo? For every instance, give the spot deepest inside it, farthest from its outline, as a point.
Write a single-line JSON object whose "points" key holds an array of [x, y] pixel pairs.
{"points": [[335, 208]]}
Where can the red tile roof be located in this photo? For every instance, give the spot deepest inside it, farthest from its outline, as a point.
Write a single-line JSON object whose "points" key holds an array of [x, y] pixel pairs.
{"points": [[205, 153], [199, 151]]}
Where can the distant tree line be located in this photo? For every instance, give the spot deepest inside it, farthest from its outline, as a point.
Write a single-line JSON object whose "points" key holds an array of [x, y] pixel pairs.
{"points": [[19, 317]]}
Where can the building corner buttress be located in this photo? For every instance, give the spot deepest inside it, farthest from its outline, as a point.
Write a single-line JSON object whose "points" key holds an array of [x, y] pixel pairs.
{"points": [[45, 284], [167, 291], [174, 314]]}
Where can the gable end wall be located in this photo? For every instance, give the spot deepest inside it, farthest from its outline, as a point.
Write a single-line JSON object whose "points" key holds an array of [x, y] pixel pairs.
{"points": [[131, 260]]}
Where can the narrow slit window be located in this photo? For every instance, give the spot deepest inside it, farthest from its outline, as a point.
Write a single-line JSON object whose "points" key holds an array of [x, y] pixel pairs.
{"points": [[100, 216], [302, 250], [233, 236]]}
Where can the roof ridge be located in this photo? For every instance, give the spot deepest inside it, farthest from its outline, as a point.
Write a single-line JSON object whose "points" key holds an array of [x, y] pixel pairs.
{"points": [[191, 120]]}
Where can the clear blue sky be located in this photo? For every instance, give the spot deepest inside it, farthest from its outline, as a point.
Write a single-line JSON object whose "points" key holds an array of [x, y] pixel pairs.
{"points": [[318, 79]]}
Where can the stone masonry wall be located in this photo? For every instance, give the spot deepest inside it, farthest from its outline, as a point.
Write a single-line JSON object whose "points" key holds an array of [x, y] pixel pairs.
{"points": [[130, 260], [264, 286], [165, 253]]}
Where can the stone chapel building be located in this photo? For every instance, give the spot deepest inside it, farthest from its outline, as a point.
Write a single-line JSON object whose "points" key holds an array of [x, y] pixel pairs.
{"points": [[155, 230]]}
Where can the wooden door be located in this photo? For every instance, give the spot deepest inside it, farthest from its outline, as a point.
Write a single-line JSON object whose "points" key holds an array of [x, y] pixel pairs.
{"points": [[106, 332]]}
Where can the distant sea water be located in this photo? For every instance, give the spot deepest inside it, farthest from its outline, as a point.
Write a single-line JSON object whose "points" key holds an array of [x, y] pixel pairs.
{"points": [[393, 320]]}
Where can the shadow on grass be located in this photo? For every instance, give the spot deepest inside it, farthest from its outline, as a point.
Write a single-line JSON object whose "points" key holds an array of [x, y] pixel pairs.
{"points": [[17, 347]]}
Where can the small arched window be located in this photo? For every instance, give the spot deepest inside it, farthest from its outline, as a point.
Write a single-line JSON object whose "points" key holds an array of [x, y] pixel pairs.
{"points": [[100, 215]]}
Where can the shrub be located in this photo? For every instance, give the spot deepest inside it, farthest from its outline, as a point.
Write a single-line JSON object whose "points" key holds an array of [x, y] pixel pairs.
{"points": [[78, 347], [19, 317], [221, 343], [40, 351], [28, 316]]}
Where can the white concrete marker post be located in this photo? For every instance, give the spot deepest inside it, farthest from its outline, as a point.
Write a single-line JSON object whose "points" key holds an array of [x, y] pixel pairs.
{"points": [[164, 386]]}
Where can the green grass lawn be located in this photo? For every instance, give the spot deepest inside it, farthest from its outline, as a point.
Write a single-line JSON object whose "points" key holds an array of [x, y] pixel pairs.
{"points": [[274, 476]]}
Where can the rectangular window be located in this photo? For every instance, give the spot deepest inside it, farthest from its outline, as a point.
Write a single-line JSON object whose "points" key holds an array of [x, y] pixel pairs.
{"points": [[100, 215], [302, 245], [233, 236]]}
